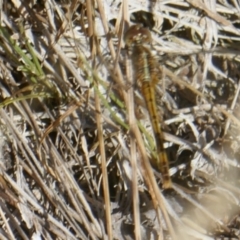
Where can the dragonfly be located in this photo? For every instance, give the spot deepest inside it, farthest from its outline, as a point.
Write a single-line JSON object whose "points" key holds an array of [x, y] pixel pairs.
{"points": [[137, 39]]}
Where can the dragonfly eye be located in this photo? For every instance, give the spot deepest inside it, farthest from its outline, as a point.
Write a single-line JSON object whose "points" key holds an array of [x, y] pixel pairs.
{"points": [[137, 34]]}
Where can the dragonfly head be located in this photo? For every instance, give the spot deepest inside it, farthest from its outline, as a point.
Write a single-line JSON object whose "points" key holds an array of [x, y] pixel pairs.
{"points": [[137, 34]]}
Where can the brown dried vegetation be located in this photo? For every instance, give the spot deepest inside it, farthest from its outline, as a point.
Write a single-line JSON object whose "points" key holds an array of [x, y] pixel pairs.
{"points": [[76, 141]]}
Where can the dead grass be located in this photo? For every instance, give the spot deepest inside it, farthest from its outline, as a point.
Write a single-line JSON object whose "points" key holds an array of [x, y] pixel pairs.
{"points": [[75, 138]]}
